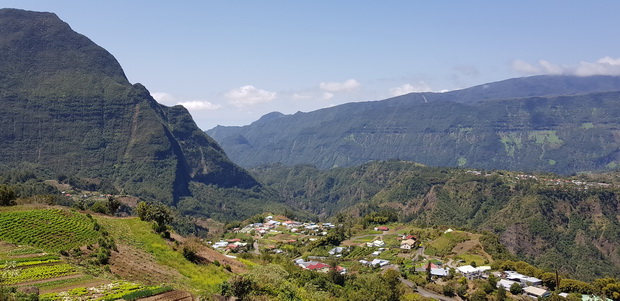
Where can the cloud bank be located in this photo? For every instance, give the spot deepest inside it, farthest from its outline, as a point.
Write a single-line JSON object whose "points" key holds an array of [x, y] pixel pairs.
{"points": [[347, 85], [249, 96], [408, 88], [603, 66], [192, 105]]}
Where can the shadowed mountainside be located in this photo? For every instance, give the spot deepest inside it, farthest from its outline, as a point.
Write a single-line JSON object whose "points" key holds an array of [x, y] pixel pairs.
{"points": [[67, 107]]}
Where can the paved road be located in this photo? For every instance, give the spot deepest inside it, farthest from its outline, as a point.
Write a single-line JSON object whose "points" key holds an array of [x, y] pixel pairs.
{"points": [[424, 292]]}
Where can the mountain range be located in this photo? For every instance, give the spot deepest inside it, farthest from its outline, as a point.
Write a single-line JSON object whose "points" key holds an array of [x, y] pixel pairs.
{"points": [[66, 107], [562, 124]]}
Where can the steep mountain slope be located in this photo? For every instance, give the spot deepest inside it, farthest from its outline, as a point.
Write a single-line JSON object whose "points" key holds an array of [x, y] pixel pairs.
{"points": [[543, 123], [569, 224], [67, 107]]}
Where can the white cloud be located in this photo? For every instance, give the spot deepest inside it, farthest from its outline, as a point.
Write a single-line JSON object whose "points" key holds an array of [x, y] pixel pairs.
{"points": [[349, 84], [408, 88], [604, 66], [249, 96], [192, 105], [164, 98], [327, 96], [524, 67], [198, 105], [301, 96]]}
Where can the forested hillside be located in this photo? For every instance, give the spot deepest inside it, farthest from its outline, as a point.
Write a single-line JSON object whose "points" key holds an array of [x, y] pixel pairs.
{"points": [[560, 124], [571, 224]]}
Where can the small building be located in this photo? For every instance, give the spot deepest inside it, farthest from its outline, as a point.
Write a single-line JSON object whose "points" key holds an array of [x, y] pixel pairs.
{"points": [[505, 283], [408, 244], [376, 243], [440, 272], [336, 250], [220, 244], [382, 228], [536, 292], [531, 281], [472, 273], [379, 262]]}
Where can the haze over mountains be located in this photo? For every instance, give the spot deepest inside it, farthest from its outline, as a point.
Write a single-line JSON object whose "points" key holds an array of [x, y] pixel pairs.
{"points": [[66, 107], [562, 124]]}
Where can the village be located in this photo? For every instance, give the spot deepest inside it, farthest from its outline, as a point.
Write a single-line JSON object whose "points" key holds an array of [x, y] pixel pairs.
{"points": [[377, 250]]}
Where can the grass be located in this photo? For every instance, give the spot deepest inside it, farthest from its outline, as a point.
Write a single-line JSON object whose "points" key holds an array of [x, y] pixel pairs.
{"points": [[49, 285], [362, 239], [48, 229], [444, 244], [468, 258], [134, 232]]}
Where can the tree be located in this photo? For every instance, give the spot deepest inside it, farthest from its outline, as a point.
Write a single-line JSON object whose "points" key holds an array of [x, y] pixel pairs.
{"points": [[428, 272], [548, 279], [516, 289], [162, 216], [113, 204], [142, 210], [492, 281], [501, 293], [479, 295], [392, 279], [448, 290], [159, 213], [461, 290], [7, 195], [239, 286]]}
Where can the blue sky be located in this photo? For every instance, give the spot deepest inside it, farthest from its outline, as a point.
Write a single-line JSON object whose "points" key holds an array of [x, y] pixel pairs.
{"points": [[230, 62]]}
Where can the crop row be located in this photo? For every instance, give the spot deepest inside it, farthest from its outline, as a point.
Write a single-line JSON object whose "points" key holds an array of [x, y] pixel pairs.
{"points": [[112, 291], [31, 262], [39, 273], [49, 229]]}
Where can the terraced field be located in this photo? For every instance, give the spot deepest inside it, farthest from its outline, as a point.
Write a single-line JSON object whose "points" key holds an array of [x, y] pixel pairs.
{"points": [[30, 241], [51, 229]]}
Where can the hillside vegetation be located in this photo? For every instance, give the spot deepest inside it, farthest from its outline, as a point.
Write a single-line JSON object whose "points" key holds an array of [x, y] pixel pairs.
{"points": [[558, 124], [67, 109], [570, 224], [58, 249]]}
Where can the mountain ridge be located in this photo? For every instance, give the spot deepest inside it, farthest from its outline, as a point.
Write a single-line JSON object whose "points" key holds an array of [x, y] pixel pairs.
{"points": [[67, 106], [458, 128]]}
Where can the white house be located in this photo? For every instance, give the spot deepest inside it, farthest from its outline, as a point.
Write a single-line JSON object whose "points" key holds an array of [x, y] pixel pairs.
{"points": [[376, 243], [220, 244], [407, 244], [440, 272], [472, 273], [336, 250]]}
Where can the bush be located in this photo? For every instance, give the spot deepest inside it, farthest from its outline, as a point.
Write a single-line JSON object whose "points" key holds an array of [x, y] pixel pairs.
{"points": [[516, 289]]}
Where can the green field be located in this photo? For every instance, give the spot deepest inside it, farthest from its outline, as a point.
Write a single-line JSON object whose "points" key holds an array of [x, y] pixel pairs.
{"points": [[134, 232], [52, 230], [444, 244]]}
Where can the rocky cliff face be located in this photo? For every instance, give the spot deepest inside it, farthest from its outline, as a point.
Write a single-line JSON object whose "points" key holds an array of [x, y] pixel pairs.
{"points": [[67, 107]]}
